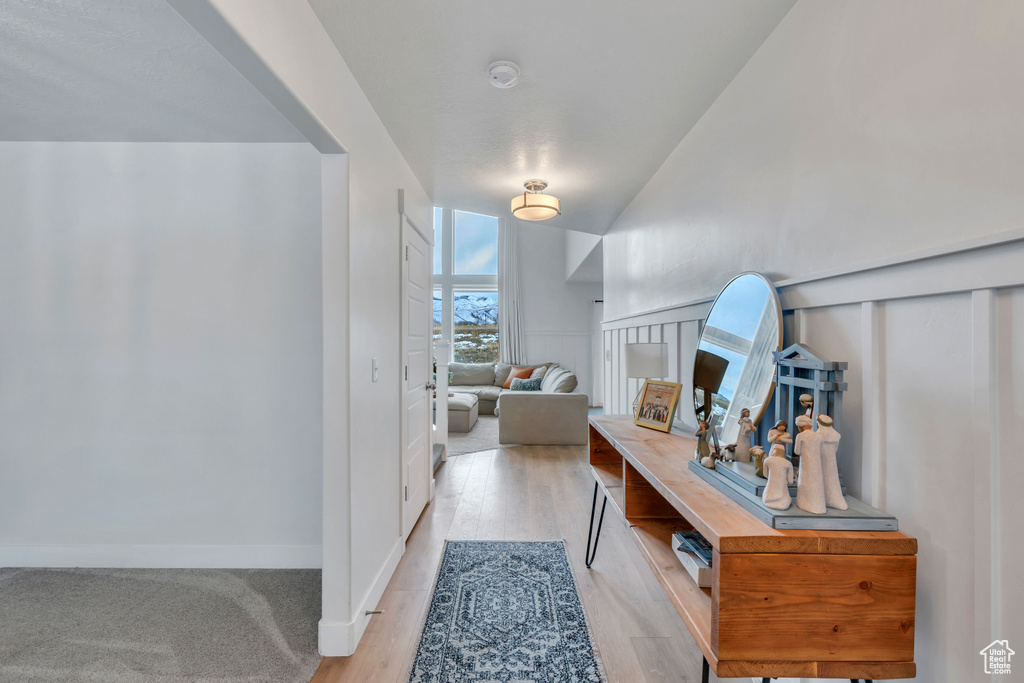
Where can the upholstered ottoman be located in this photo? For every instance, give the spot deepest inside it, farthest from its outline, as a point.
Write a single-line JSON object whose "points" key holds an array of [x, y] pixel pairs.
{"points": [[463, 410]]}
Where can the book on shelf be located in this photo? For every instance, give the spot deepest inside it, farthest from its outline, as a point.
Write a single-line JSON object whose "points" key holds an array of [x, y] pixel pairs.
{"points": [[696, 567], [696, 544]]}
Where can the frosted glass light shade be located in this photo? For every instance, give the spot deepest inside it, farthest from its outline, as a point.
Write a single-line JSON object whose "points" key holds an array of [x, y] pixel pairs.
{"points": [[645, 361], [535, 206]]}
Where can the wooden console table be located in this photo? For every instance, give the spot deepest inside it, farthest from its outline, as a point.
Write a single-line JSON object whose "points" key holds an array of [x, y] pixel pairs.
{"points": [[825, 604]]}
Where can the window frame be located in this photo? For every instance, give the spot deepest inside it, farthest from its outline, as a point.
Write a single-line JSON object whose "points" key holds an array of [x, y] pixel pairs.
{"points": [[449, 283]]}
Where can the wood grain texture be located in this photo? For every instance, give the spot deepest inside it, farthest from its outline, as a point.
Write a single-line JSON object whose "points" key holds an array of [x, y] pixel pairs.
{"points": [[642, 501], [816, 607], [663, 460], [691, 602], [782, 603], [602, 452]]}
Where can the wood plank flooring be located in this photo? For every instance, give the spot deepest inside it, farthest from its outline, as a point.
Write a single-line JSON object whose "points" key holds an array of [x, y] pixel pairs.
{"points": [[528, 493]]}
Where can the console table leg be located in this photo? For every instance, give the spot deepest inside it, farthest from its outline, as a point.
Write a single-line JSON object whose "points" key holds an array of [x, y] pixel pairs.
{"points": [[705, 671], [593, 508]]}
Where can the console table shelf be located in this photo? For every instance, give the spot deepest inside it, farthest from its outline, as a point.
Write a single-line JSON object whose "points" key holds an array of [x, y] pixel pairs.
{"points": [[829, 604]]}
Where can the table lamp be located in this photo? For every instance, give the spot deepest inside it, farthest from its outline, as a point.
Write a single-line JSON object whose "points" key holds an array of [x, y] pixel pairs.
{"points": [[708, 371], [644, 361]]}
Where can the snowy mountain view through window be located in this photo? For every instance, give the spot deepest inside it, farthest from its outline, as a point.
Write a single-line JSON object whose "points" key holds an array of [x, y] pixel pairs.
{"points": [[475, 318], [465, 284]]}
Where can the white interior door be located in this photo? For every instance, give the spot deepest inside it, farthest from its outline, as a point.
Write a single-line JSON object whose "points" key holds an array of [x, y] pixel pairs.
{"points": [[417, 326]]}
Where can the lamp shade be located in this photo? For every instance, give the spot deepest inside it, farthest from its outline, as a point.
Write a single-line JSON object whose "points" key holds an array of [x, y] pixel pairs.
{"points": [[708, 371], [535, 206], [644, 361]]}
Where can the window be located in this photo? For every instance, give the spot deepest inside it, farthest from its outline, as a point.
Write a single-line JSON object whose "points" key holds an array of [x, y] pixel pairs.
{"points": [[466, 284], [476, 327], [476, 244], [438, 314]]}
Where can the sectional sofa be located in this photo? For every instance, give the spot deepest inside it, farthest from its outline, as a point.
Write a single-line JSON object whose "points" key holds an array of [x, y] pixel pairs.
{"points": [[552, 415]]}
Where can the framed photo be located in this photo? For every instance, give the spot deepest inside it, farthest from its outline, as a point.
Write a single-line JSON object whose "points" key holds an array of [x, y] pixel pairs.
{"points": [[657, 406]]}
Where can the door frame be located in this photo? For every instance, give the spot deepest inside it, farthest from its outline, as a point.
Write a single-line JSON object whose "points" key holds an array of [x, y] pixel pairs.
{"points": [[406, 223]]}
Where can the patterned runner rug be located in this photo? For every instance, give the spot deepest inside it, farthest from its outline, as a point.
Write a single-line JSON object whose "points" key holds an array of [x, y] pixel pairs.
{"points": [[506, 611]]}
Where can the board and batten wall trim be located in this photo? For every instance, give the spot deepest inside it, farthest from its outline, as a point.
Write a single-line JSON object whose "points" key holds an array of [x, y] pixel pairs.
{"points": [[982, 278], [571, 350]]}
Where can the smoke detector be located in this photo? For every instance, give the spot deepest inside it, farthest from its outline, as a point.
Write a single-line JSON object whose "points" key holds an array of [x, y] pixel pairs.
{"points": [[503, 74]]}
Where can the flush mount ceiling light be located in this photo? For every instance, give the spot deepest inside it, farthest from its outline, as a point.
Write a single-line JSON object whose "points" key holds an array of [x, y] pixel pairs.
{"points": [[533, 205]]}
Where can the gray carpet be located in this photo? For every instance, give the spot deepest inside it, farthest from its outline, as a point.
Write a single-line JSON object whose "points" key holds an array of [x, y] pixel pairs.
{"points": [[482, 437], [158, 625]]}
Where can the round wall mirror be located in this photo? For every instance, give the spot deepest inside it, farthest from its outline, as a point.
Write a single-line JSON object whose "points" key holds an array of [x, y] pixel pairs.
{"points": [[734, 368]]}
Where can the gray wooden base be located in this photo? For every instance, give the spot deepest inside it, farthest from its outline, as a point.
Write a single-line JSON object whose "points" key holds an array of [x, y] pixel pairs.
{"points": [[742, 474], [859, 517]]}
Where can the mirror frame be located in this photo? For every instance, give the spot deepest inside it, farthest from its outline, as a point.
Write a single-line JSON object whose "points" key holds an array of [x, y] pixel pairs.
{"points": [[778, 310]]}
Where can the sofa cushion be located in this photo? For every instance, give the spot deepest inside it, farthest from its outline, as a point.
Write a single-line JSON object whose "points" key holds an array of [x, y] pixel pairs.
{"points": [[486, 392], [516, 373], [566, 384], [462, 402], [539, 372], [472, 373], [553, 374], [532, 384], [558, 380], [501, 371]]}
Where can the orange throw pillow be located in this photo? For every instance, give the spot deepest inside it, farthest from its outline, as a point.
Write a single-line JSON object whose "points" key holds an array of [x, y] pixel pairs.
{"points": [[516, 373]]}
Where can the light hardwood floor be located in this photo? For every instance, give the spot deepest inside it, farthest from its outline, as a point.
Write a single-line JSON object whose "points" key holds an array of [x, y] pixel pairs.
{"points": [[528, 493]]}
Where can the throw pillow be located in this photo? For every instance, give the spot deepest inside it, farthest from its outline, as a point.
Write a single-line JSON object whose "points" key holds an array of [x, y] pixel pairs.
{"points": [[519, 384], [514, 373], [538, 372], [501, 373]]}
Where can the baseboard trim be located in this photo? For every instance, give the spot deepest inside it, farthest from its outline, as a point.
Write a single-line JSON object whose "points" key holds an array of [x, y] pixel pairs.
{"points": [[339, 639], [163, 556]]}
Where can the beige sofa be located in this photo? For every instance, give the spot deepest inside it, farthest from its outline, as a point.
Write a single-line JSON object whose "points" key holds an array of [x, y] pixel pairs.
{"points": [[553, 415]]}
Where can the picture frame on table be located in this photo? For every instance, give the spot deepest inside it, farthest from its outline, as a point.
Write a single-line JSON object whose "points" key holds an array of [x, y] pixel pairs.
{"points": [[657, 404]]}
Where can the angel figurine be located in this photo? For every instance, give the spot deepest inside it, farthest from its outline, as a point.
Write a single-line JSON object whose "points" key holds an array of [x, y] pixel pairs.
{"points": [[742, 451]]}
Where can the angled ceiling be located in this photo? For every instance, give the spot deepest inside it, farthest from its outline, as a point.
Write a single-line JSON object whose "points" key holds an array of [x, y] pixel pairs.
{"points": [[122, 70], [608, 89]]}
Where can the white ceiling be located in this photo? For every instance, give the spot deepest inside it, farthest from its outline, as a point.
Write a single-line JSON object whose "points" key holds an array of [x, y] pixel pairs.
{"points": [[122, 70], [609, 88]]}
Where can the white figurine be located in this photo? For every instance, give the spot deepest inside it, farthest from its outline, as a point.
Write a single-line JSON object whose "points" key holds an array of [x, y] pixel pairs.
{"points": [[742, 453], [779, 434], [780, 475], [810, 491], [807, 401], [829, 465]]}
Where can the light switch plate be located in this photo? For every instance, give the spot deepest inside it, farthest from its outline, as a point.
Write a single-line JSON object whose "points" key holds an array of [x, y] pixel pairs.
{"points": [[376, 369]]}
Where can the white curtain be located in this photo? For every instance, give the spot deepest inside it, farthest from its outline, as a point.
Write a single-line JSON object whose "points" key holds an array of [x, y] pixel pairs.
{"points": [[757, 375], [512, 348]]}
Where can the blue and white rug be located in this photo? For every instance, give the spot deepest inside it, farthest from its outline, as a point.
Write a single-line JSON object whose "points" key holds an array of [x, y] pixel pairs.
{"points": [[506, 611]]}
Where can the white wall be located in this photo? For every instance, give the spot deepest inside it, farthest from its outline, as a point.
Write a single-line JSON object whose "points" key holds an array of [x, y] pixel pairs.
{"points": [[871, 134], [282, 48], [160, 344], [557, 316]]}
